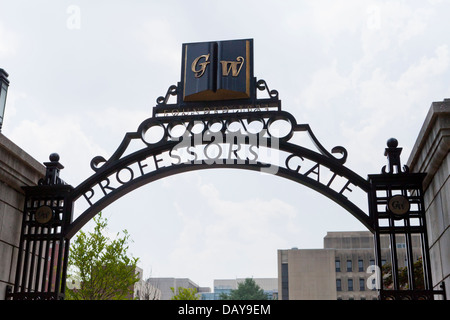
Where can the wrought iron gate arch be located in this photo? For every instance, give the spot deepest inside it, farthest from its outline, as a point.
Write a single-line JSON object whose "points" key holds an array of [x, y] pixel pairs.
{"points": [[57, 197], [117, 163], [395, 195]]}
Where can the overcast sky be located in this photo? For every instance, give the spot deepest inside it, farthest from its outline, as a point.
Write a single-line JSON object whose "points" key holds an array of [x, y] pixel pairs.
{"points": [[83, 73]]}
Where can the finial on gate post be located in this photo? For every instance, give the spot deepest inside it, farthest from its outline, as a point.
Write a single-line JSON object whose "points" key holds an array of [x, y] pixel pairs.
{"points": [[392, 152], [52, 172]]}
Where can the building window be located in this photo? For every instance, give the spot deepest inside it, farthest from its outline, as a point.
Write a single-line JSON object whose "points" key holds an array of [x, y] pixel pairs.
{"points": [[284, 281], [362, 284], [360, 266], [337, 264], [350, 284], [372, 262], [338, 285], [374, 284], [349, 265]]}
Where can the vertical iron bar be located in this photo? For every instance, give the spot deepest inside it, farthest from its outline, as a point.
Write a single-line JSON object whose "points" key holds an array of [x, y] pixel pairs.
{"points": [[45, 273], [410, 257], [59, 264], [19, 268], [26, 253], [66, 219], [394, 262], [52, 262], [31, 269], [65, 263], [378, 256], [40, 262], [426, 264]]}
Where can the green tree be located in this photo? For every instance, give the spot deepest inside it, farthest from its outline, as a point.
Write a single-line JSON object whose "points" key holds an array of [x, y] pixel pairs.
{"points": [[403, 276], [101, 266], [247, 290], [184, 294]]}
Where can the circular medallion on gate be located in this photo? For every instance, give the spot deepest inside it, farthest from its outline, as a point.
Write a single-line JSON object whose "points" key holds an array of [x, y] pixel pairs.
{"points": [[399, 205], [43, 214]]}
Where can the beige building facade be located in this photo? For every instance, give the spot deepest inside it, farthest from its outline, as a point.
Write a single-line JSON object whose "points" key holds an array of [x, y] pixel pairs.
{"points": [[343, 270], [17, 169], [164, 286], [431, 156]]}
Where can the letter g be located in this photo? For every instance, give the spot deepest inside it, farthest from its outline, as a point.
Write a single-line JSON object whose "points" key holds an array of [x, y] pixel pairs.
{"points": [[202, 65]]}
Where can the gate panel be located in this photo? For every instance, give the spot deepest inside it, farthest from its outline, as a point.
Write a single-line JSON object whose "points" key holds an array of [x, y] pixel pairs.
{"points": [[43, 250], [397, 209]]}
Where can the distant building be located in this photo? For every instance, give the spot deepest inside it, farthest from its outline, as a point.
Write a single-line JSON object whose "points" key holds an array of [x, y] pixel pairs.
{"points": [[144, 290], [269, 285], [164, 285], [340, 271]]}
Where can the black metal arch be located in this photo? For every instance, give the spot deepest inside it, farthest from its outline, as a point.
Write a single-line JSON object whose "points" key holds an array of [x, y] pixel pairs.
{"points": [[104, 169], [48, 223]]}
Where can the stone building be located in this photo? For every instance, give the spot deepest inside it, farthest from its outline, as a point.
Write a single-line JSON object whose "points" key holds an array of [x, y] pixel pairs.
{"points": [[342, 270], [165, 285], [268, 285], [17, 169], [431, 155]]}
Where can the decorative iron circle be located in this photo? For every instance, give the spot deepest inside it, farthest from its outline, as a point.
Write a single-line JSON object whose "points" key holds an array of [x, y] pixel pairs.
{"points": [[256, 125], [196, 127], [176, 129], [399, 205], [234, 125], [44, 214], [153, 133], [215, 125], [283, 131]]}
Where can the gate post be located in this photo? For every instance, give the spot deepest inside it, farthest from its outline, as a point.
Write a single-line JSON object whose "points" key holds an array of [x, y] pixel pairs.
{"points": [[43, 249], [396, 207]]}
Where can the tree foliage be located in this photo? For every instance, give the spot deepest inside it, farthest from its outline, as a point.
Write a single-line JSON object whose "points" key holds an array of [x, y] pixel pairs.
{"points": [[403, 276], [247, 290], [101, 266], [185, 294]]}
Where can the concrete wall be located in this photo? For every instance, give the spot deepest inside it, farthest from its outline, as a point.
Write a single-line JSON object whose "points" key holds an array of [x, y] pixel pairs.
{"points": [[164, 285], [431, 155], [17, 169], [311, 274]]}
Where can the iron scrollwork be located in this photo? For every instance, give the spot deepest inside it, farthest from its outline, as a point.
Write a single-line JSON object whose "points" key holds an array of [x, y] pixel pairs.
{"points": [[262, 85], [222, 131], [172, 91], [239, 133]]}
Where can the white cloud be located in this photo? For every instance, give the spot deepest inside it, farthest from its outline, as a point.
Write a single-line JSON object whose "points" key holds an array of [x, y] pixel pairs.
{"points": [[384, 81], [8, 42], [393, 24], [426, 68], [325, 86], [359, 73], [162, 48], [385, 104], [220, 232], [332, 18], [62, 135]]}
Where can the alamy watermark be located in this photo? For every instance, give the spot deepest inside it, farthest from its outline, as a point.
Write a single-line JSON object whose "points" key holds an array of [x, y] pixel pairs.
{"points": [[373, 18], [213, 147], [374, 280], [73, 21]]}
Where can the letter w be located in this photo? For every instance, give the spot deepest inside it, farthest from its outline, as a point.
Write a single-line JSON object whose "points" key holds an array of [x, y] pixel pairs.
{"points": [[233, 67]]}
